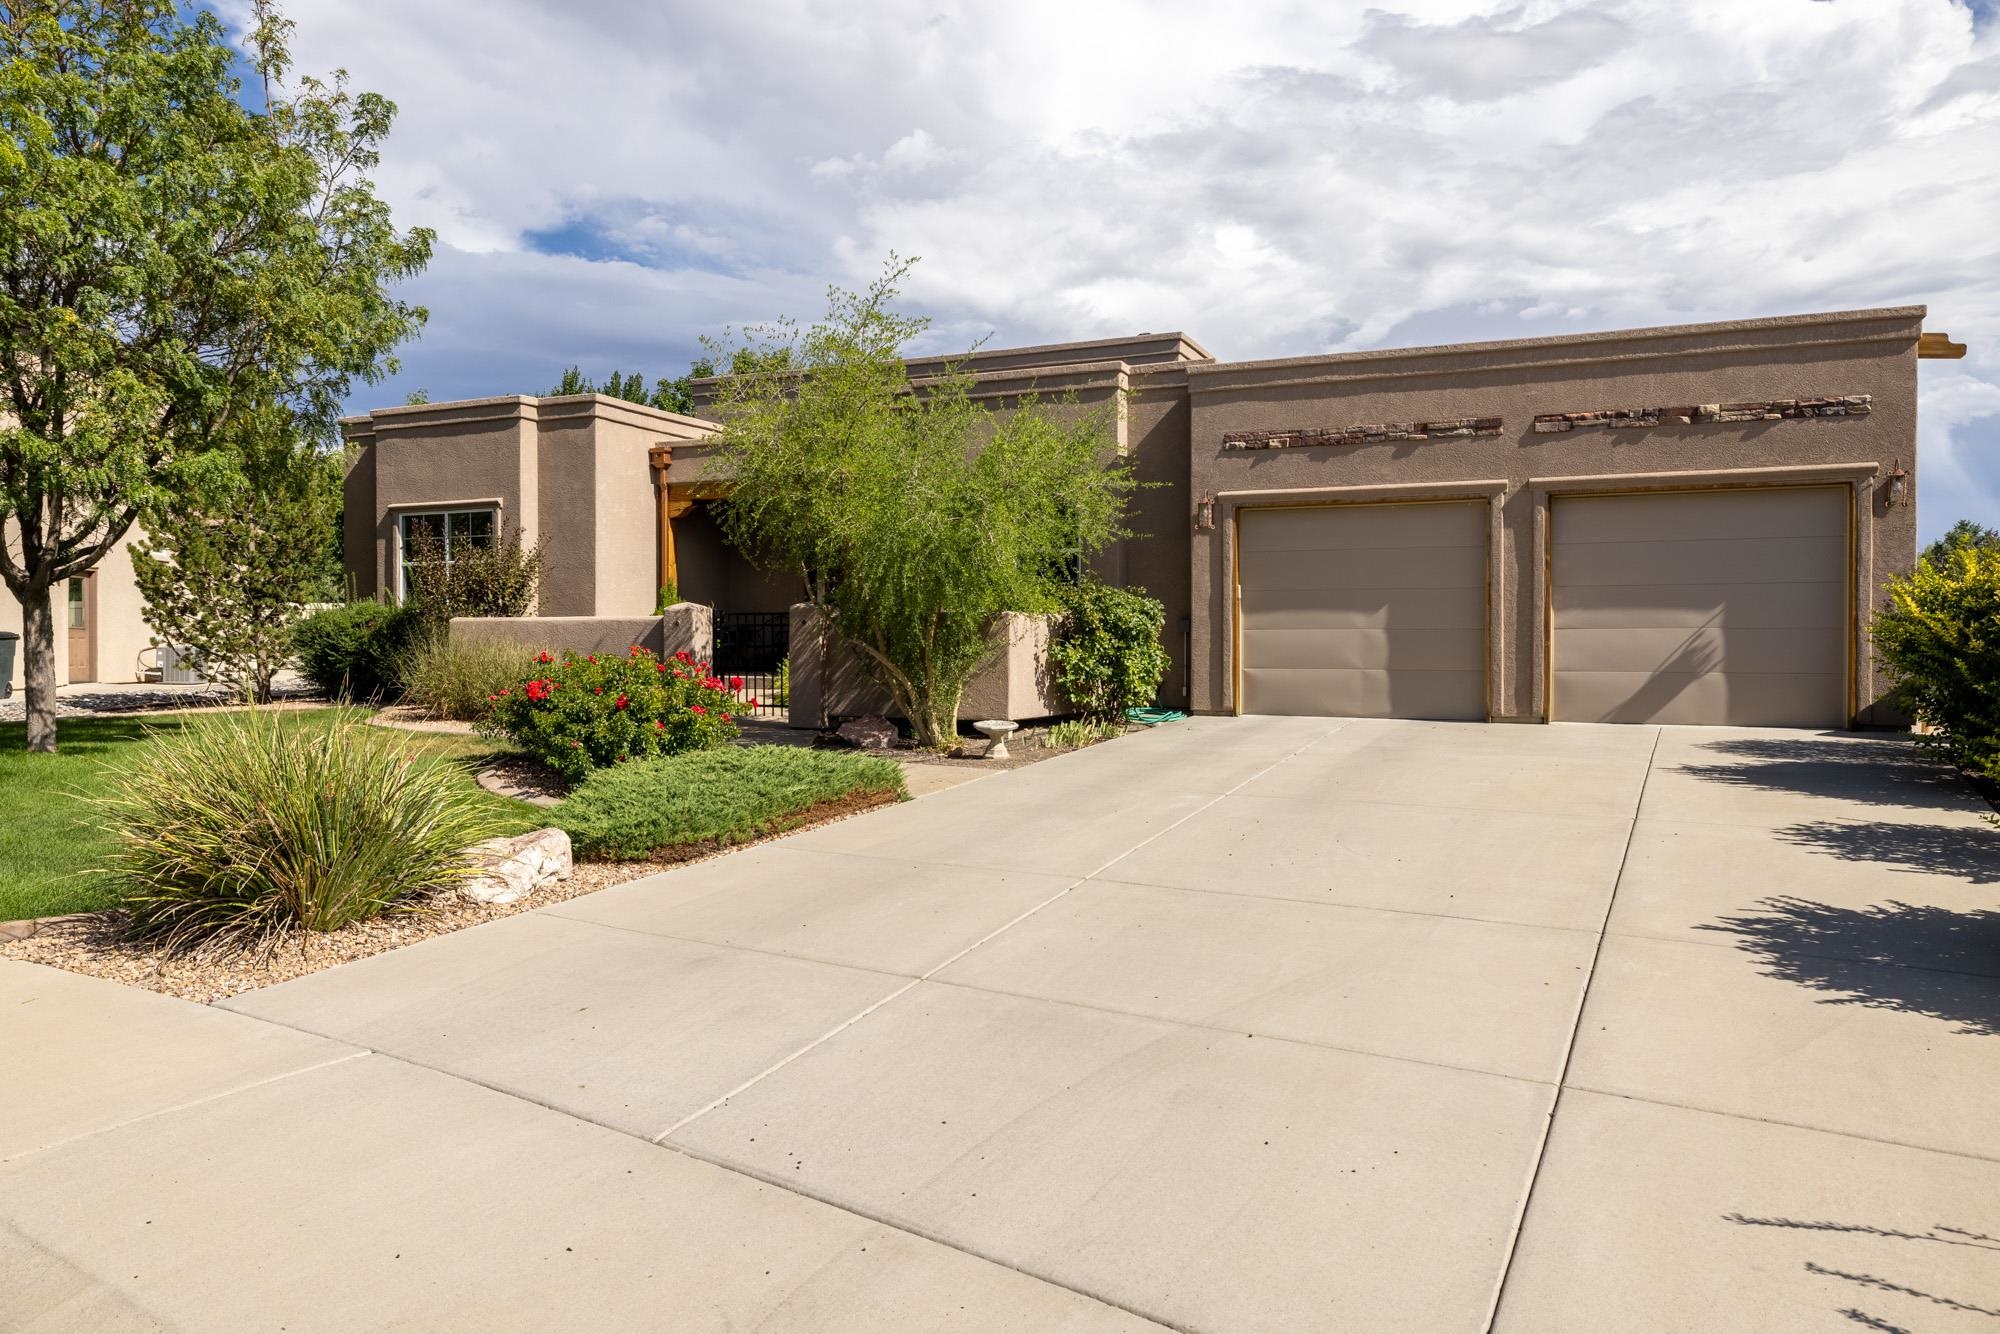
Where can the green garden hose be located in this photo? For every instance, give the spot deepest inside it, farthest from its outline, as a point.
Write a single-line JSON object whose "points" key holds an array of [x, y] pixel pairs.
{"points": [[1154, 717]]}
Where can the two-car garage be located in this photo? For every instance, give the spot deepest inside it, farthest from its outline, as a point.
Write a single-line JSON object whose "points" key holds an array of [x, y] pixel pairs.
{"points": [[1721, 606]]}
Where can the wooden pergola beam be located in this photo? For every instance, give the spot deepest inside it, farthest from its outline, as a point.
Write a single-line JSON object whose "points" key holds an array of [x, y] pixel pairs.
{"points": [[666, 568], [1939, 346]]}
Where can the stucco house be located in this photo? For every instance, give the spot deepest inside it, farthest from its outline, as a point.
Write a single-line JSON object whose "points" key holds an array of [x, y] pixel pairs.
{"points": [[1687, 524], [101, 630]]}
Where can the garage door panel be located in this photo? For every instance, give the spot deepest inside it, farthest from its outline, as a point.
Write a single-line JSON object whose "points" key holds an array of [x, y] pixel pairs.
{"points": [[1743, 560], [1688, 606], [1360, 609], [1431, 567], [1740, 699], [1803, 512], [1456, 696], [1364, 528], [1364, 610], [1373, 649], [1726, 607], [1710, 649]]}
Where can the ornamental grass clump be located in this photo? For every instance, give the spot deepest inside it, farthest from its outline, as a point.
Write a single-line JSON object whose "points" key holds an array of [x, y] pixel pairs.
{"points": [[576, 714], [460, 679], [239, 828]]}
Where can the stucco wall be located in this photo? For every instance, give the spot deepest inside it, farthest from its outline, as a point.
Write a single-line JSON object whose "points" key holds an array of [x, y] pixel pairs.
{"points": [[1869, 352], [684, 626], [627, 546], [570, 473], [1156, 557], [434, 456], [830, 680], [122, 632]]}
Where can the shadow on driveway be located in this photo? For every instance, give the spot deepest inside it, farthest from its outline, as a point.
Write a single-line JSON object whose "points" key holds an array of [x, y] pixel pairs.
{"points": [[1962, 852], [1881, 1286], [1888, 956], [1874, 772]]}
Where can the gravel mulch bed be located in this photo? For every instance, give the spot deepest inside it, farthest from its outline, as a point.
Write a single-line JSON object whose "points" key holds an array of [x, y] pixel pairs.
{"points": [[111, 701], [90, 943]]}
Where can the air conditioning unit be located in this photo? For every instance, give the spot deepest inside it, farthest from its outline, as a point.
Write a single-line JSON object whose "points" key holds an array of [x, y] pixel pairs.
{"points": [[179, 666]]}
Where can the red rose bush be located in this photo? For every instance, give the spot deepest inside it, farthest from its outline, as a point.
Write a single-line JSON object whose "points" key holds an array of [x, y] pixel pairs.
{"points": [[576, 714]]}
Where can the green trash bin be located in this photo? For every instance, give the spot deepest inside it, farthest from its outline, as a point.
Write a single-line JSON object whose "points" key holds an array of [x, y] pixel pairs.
{"points": [[8, 639]]}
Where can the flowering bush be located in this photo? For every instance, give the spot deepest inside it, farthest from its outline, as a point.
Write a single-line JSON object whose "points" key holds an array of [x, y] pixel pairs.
{"points": [[577, 714]]}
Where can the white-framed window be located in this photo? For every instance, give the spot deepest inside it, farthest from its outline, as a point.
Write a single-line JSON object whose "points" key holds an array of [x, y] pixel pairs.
{"points": [[457, 530]]}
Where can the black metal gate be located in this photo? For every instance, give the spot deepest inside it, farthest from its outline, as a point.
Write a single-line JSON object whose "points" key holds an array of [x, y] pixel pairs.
{"points": [[756, 645]]}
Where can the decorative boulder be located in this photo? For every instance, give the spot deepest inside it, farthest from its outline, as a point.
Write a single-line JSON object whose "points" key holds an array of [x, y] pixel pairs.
{"points": [[876, 733], [510, 869]]}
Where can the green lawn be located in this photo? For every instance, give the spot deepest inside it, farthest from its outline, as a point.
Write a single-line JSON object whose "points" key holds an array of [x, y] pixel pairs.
{"points": [[51, 846]]}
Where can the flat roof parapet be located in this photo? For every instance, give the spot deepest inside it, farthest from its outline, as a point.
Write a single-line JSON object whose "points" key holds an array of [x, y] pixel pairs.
{"points": [[1823, 329]]}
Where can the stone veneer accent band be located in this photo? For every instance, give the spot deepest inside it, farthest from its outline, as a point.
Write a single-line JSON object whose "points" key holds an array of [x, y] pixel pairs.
{"points": [[1367, 434], [1778, 409]]}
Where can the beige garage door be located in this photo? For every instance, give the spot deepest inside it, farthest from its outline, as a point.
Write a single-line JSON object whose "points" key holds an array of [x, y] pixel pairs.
{"points": [[1701, 607], [1369, 611]]}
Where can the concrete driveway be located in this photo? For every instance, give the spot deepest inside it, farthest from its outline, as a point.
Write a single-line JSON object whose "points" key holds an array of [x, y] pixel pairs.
{"points": [[1253, 1024]]}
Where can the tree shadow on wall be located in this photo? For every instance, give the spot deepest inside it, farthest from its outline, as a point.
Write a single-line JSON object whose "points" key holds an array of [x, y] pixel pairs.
{"points": [[1889, 956]]}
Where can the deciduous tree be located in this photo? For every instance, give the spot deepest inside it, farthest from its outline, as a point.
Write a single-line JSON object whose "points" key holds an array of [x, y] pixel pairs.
{"points": [[915, 513], [169, 258]]}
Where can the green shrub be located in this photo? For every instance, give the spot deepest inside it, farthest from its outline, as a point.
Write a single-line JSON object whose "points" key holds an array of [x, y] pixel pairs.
{"points": [[781, 684], [1105, 654], [503, 579], [361, 651], [239, 827], [716, 797], [579, 714], [1939, 640], [451, 678]]}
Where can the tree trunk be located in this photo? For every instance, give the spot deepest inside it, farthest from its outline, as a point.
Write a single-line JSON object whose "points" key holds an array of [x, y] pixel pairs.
{"points": [[38, 644]]}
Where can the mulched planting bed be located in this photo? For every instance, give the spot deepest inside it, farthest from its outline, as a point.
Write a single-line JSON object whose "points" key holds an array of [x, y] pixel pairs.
{"points": [[90, 943]]}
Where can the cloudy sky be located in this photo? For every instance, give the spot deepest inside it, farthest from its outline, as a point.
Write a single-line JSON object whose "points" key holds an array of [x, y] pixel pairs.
{"points": [[609, 181]]}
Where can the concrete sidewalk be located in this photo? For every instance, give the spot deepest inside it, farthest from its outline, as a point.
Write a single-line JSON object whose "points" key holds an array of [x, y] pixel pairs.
{"points": [[1242, 1024]]}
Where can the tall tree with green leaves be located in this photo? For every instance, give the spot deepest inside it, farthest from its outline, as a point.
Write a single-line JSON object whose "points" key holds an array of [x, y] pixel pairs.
{"points": [[1966, 534], [676, 395], [169, 260], [915, 514], [227, 574]]}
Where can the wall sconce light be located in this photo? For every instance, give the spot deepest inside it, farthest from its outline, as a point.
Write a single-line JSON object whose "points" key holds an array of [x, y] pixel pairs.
{"points": [[1899, 487], [1204, 514]]}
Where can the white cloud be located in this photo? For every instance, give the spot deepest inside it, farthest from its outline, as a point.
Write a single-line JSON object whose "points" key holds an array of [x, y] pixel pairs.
{"points": [[1297, 177]]}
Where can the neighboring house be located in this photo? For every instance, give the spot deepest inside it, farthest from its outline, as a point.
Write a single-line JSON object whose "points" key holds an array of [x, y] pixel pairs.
{"points": [[1685, 525], [101, 631]]}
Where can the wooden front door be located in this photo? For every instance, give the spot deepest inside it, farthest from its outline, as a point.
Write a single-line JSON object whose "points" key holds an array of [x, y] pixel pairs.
{"points": [[82, 612]]}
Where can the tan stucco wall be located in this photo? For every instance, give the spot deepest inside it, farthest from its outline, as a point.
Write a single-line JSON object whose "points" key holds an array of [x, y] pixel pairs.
{"points": [[1868, 352], [592, 497], [1156, 558], [830, 679], [571, 473], [684, 626], [122, 632]]}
